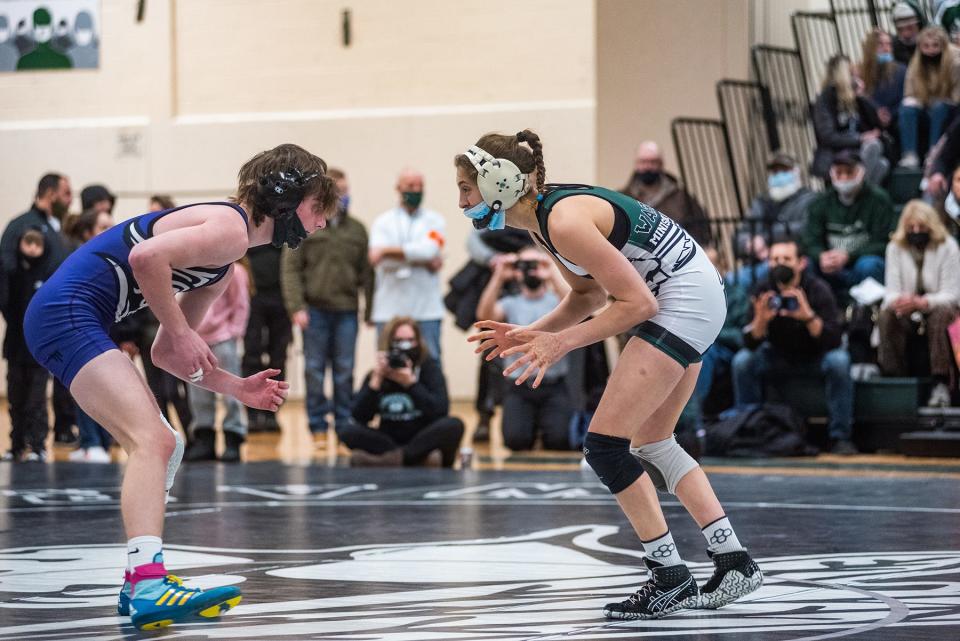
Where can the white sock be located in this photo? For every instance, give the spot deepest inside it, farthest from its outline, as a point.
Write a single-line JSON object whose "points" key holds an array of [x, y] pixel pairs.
{"points": [[662, 550], [143, 550], [721, 537]]}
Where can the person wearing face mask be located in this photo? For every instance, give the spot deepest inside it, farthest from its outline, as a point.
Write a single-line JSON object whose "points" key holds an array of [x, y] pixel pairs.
{"points": [[793, 331], [908, 20], [9, 55], [778, 214], [651, 185], [407, 390], [848, 226], [529, 411], [922, 297], [323, 283], [883, 77], [85, 52], [26, 379], [43, 56], [844, 120], [406, 245], [931, 91]]}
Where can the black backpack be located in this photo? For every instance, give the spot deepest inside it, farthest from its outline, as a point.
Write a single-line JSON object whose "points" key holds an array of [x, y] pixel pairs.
{"points": [[766, 430]]}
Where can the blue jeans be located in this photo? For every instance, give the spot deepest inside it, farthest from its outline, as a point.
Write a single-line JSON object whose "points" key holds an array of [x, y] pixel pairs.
{"points": [[866, 266], [909, 123], [751, 368], [330, 337], [91, 433], [429, 330], [716, 362]]}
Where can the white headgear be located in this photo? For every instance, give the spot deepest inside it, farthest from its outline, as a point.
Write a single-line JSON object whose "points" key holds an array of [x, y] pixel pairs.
{"points": [[500, 181]]}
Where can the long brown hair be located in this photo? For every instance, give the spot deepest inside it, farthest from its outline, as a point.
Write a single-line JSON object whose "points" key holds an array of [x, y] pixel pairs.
{"points": [[386, 336], [283, 157], [840, 76], [872, 72], [511, 148], [76, 227], [931, 83]]}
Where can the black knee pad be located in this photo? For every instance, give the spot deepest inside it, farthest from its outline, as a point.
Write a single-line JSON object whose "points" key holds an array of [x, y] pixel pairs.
{"points": [[610, 458]]}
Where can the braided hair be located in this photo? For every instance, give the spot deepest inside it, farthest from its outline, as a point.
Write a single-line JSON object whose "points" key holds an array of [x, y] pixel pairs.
{"points": [[511, 148]]}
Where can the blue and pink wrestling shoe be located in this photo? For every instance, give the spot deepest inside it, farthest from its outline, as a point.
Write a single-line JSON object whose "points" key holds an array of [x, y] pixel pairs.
{"points": [[154, 599]]}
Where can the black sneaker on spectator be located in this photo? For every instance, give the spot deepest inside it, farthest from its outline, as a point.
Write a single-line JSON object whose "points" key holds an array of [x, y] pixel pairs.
{"points": [[735, 575], [482, 433], [844, 448], [65, 437], [669, 589]]}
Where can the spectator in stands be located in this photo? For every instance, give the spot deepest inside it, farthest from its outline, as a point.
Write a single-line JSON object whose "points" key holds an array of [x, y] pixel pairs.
{"points": [[159, 202], [98, 198], [923, 293], [842, 121], [268, 330], [26, 379], [406, 388], [931, 91], [793, 331], [94, 441], [849, 226], [405, 248], [883, 78], [718, 358], [222, 329], [662, 191], [779, 214], [50, 206], [942, 160], [951, 205], [323, 282], [908, 20], [948, 17], [486, 249], [528, 411]]}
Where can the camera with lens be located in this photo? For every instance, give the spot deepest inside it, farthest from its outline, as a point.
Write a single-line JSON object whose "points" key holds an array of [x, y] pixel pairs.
{"points": [[786, 303], [524, 266], [401, 354]]}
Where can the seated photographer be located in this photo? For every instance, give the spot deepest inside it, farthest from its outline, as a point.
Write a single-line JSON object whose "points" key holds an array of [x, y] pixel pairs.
{"points": [[406, 388], [548, 408], [793, 329], [923, 286]]}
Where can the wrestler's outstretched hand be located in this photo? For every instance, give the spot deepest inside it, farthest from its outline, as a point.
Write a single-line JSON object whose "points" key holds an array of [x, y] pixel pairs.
{"points": [[262, 392], [492, 338]]}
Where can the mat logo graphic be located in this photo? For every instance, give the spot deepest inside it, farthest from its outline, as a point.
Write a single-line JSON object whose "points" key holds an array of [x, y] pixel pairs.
{"points": [[549, 582]]}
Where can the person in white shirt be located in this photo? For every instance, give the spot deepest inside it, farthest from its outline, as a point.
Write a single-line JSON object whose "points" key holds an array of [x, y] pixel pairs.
{"points": [[405, 249]]}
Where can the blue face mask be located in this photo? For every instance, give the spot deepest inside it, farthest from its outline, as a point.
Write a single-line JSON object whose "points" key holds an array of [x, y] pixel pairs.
{"points": [[780, 179], [884, 58], [482, 209]]}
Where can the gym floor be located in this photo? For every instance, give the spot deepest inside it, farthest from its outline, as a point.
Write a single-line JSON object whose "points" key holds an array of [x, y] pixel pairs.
{"points": [[863, 548]]}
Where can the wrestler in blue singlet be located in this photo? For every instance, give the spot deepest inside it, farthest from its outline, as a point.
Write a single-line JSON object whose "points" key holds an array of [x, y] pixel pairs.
{"points": [[68, 319]]}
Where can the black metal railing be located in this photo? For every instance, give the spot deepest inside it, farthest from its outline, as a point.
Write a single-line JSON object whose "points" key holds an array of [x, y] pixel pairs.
{"points": [[706, 167], [817, 40], [747, 112], [779, 70]]}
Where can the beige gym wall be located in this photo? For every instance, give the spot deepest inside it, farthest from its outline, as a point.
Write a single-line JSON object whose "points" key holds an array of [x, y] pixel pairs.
{"points": [[182, 99]]}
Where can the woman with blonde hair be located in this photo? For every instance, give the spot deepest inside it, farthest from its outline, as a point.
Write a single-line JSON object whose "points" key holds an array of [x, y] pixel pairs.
{"points": [[843, 120], [923, 291], [931, 91], [882, 77]]}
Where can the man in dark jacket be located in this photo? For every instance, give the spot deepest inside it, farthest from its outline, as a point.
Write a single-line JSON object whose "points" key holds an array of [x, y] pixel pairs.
{"points": [[908, 20], [322, 285], [50, 205], [849, 226], [793, 331], [650, 184], [26, 379]]}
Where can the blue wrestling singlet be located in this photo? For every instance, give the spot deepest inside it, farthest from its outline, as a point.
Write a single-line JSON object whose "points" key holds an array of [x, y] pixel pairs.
{"points": [[67, 321]]}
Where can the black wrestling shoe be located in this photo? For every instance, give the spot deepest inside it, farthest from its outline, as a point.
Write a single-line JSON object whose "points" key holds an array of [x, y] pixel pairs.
{"points": [[735, 575], [668, 590]]}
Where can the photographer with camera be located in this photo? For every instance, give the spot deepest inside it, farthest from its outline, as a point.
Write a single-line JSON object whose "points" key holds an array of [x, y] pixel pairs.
{"points": [[406, 388], [793, 331], [527, 410]]}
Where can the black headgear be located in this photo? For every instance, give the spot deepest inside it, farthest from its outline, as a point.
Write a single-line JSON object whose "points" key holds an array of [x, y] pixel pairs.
{"points": [[278, 196]]}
